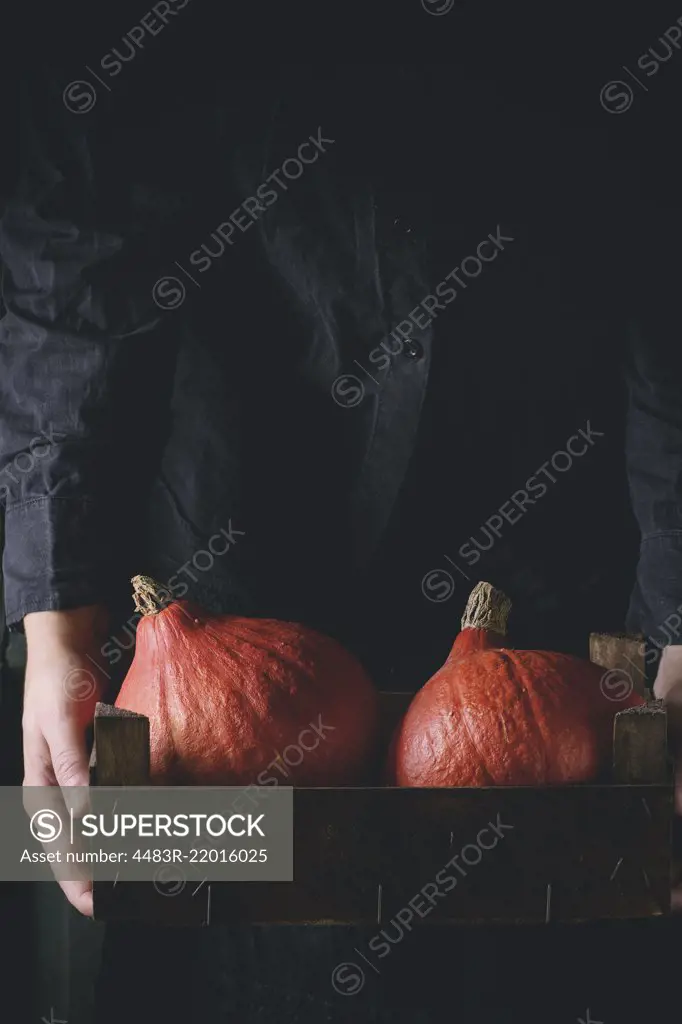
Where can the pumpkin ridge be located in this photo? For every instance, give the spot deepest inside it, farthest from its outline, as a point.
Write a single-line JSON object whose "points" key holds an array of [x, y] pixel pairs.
{"points": [[267, 736], [286, 650], [262, 646], [238, 680], [181, 638], [548, 744], [465, 721], [248, 634], [161, 690], [519, 674]]}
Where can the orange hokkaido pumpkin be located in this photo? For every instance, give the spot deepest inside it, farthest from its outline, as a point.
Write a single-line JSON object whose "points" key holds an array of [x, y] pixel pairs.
{"points": [[492, 716], [240, 701]]}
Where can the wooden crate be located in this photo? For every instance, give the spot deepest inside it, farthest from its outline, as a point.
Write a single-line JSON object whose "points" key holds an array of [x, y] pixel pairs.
{"points": [[573, 853]]}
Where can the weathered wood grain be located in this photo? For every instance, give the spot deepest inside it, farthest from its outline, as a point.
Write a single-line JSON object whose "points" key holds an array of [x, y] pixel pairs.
{"points": [[120, 753], [624, 655], [568, 853], [640, 744]]}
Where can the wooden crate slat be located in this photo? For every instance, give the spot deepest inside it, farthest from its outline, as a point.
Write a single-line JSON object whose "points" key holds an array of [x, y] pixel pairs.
{"points": [[360, 855], [614, 862]]}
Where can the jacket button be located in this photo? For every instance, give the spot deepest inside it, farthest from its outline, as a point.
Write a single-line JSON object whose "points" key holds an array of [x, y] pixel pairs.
{"points": [[413, 349]]}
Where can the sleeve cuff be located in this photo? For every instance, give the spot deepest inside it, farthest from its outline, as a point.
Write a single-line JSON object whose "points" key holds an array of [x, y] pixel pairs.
{"points": [[55, 557]]}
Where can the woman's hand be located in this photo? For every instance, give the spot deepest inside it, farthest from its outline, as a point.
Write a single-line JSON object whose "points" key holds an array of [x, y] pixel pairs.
{"points": [[61, 690]]}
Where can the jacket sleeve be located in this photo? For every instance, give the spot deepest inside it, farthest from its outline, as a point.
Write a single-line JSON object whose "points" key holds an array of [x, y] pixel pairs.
{"points": [[82, 347], [654, 427]]}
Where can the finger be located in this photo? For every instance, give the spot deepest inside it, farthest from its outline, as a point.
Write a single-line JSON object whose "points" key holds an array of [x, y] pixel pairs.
{"points": [[37, 760], [68, 754], [40, 793], [79, 895], [42, 787], [69, 759], [39, 777]]}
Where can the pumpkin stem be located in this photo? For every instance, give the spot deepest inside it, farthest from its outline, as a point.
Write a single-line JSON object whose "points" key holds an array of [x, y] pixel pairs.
{"points": [[487, 608], [149, 596], [484, 623]]}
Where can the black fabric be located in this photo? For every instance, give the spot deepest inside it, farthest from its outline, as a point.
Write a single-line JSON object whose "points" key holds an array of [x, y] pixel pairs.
{"points": [[131, 476], [271, 452]]}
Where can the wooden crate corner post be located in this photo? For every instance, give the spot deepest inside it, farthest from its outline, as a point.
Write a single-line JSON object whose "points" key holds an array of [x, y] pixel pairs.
{"points": [[120, 752], [623, 657], [640, 745]]}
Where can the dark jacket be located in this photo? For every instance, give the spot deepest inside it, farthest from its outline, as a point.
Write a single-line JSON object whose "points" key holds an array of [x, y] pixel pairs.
{"points": [[192, 376]]}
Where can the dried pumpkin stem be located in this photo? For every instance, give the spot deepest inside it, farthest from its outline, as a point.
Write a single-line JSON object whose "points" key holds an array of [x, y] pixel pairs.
{"points": [[487, 608], [149, 596]]}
